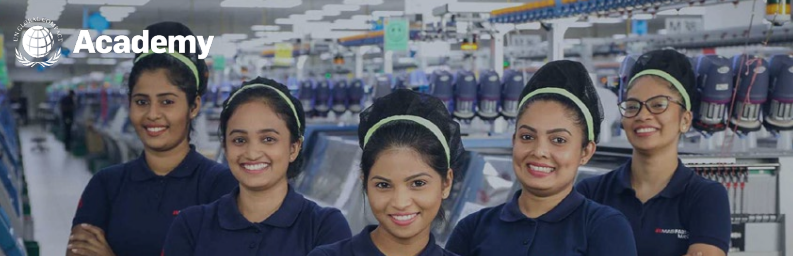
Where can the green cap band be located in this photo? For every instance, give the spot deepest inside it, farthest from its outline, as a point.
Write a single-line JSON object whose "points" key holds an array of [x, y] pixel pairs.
{"points": [[576, 101], [667, 77], [181, 58], [424, 122], [284, 96]]}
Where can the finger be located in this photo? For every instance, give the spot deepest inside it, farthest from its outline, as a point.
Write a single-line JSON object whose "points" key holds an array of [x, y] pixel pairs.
{"points": [[83, 248], [96, 231], [84, 237]]}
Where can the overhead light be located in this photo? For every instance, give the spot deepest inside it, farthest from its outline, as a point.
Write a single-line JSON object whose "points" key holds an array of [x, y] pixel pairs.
{"points": [[261, 3], [362, 17], [642, 16], [233, 37], [528, 26], [364, 2], [341, 7], [326, 34], [110, 2], [350, 25], [284, 21], [116, 13], [605, 20], [619, 36], [378, 14], [662, 31], [572, 41], [265, 28]]}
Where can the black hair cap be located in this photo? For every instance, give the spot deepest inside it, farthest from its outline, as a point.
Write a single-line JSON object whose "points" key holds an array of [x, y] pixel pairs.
{"points": [[408, 102], [171, 28], [572, 77]]}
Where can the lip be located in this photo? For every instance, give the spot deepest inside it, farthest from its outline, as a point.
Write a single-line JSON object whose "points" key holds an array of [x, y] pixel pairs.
{"points": [[255, 171], [645, 134], [539, 174], [155, 133], [403, 223]]}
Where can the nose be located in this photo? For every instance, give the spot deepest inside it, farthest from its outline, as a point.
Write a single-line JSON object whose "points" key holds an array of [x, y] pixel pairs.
{"points": [[644, 113], [402, 198], [153, 112], [539, 149], [253, 152]]}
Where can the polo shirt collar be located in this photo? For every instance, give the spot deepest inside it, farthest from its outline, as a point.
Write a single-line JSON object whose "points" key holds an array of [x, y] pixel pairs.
{"points": [[231, 218], [186, 168], [511, 211], [362, 244], [676, 185]]}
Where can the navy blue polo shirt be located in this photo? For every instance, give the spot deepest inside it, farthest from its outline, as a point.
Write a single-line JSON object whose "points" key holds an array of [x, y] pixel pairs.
{"points": [[690, 210], [362, 245], [576, 226], [296, 228], [135, 206]]}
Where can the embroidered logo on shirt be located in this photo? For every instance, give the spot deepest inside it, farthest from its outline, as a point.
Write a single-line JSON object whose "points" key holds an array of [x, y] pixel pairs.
{"points": [[175, 213], [681, 234]]}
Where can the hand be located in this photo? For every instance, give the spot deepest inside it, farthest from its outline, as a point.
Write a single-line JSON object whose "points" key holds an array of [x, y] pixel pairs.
{"points": [[88, 240]]}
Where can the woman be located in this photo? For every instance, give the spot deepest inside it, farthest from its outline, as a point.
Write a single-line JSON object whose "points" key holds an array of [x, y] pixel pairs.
{"points": [[410, 148], [672, 210], [126, 209], [261, 128], [556, 131]]}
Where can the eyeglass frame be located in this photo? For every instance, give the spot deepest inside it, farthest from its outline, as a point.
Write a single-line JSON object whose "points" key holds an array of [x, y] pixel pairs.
{"points": [[642, 104]]}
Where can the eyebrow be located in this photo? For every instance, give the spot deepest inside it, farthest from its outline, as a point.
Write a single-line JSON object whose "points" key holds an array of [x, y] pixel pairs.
{"points": [[550, 131], [260, 131], [523, 126], [406, 179], [158, 95], [380, 178]]}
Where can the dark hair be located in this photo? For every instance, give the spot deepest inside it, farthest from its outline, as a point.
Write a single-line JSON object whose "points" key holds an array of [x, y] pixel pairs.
{"points": [[573, 78], [177, 72], [673, 63], [272, 99], [409, 134]]}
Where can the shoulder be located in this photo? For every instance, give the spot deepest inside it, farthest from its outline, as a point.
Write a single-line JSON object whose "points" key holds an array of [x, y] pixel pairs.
{"points": [[597, 213], [111, 176], [314, 211], [198, 213], [600, 181], [699, 187], [485, 215]]}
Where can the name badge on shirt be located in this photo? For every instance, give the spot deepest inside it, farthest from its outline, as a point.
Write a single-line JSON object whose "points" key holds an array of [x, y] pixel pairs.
{"points": [[681, 233]]}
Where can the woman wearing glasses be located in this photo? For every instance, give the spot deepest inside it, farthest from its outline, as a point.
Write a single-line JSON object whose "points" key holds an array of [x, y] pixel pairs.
{"points": [[672, 210]]}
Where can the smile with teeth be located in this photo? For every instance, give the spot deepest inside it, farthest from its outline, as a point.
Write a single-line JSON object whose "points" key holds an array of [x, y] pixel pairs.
{"points": [[645, 130], [404, 217], [255, 166], [541, 169], [155, 129]]}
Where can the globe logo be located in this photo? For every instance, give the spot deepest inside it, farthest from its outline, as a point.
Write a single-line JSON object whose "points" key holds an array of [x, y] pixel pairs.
{"points": [[37, 41]]}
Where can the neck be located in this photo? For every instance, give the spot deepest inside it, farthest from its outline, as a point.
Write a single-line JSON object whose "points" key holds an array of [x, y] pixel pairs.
{"points": [[534, 206], [391, 245], [163, 162], [653, 170], [258, 205]]}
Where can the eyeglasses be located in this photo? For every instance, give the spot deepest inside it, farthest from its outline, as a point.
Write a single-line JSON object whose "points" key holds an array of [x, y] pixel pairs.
{"points": [[656, 105]]}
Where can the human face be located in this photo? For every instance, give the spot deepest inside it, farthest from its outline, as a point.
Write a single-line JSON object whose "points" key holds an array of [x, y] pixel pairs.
{"points": [[547, 149], [160, 113], [258, 147], [405, 193], [648, 132]]}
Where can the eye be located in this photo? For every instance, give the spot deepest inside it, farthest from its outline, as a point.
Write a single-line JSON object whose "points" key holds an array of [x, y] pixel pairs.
{"points": [[559, 140], [526, 137], [382, 185], [419, 183], [269, 140], [238, 141], [166, 102], [141, 102]]}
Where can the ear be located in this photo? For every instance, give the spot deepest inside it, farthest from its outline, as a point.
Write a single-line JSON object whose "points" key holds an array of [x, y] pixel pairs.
{"points": [[294, 149], [196, 108], [447, 185], [588, 152], [686, 121]]}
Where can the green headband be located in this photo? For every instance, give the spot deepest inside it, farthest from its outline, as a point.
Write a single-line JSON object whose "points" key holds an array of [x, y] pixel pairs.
{"points": [[584, 109], [284, 96], [667, 77], [181, 58], [424, 122]]}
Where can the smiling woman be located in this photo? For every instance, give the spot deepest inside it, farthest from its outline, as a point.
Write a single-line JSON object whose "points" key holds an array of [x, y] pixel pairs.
{"points": [[261, 128], [557, 128], [411, 147]]}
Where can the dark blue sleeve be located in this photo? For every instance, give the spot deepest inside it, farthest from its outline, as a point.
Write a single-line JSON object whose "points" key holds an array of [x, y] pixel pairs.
{"points": [[180, 240], [94, 205], [710, 217], [223, 182], [320, 251], [612, 235], [460, 238], [333, 228]]}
